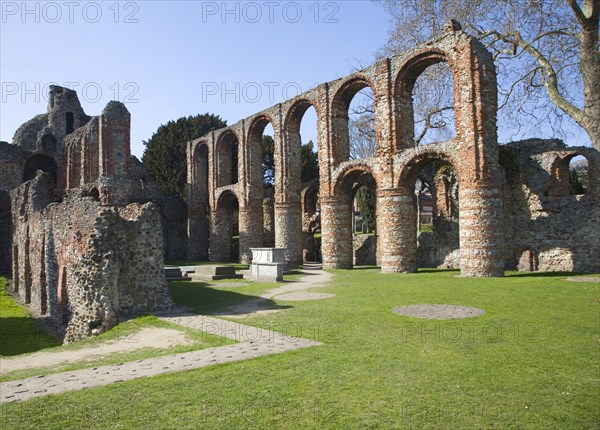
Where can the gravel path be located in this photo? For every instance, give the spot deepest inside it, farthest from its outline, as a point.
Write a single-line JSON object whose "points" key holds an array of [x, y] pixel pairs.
{"points": [[254, 342]]}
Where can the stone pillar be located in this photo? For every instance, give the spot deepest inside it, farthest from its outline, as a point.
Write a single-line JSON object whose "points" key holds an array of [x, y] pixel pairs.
{"points": [[220, 237], [251, 229], [115, 152], [288, 231], [198, 231], [269, 222], [481, 230], [397, 230], [336, 232]]}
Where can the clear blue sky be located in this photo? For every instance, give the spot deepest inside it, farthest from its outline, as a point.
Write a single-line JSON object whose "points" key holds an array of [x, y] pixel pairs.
{"points": [[165, 59], [179, 58]]}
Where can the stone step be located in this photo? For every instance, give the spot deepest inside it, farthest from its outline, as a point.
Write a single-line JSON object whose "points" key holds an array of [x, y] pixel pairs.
{"points": [[173, 272], [215, 270], [205, 277]]}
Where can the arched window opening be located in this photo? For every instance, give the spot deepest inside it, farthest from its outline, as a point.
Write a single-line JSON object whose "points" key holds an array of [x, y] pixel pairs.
{"points": [[302, 147], [309, 150], [268, 159], [40, 162], [578, 175], [227, 159], [201, 172], [436, 206], [357, 221], [225, 246], [311, 224], [353, 121], [364, 210], [433, 105], [361, 125]]}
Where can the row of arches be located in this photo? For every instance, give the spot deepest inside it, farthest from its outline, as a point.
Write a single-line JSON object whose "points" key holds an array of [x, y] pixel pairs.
{"points": [[387, 171], [344, 121]]}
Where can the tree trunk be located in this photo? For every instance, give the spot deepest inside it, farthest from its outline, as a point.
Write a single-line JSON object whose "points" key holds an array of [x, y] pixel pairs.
{"points": [[589, 58]]}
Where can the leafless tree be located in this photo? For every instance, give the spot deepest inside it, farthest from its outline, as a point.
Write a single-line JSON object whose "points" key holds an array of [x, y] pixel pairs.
{"points": [[546, 52]]}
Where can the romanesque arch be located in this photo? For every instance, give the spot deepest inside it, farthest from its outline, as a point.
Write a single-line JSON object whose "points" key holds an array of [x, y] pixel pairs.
{"points": [[199, 201], [405, 81], [441, 247], [227, 158], [337, 225], [224, 237], [340, 147]]}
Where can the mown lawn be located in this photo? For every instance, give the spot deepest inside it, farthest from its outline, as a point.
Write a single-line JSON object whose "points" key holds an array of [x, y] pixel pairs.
{"points": [[20, 334], [532, 361]]}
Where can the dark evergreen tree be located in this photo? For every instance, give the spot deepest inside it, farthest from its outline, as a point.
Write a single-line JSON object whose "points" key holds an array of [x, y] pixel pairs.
{"points": [[310, 162], [366, 205], [164, 156]]}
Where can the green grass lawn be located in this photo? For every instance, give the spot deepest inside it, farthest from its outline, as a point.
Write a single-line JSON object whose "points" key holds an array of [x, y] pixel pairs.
{"points": [[20, 334], [532, 361]]}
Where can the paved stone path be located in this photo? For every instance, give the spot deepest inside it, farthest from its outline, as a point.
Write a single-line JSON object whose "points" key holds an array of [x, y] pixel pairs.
{"points": [[254, 342]]}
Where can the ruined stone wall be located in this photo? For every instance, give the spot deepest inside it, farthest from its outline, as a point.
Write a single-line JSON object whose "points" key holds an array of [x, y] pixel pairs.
{"points": [[549, 229], [84, 266], [364, 249]]}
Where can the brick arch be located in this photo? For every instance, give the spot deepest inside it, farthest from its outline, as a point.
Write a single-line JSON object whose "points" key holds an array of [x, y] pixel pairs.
{"points": [[337, 215], [349, 174], [294, 114], [197, 144], [409, 170], [201, 175], [226, 170], [289, 163], [340, 104], [257, 127], [253, 154], [198, 200], [309, 197], [560, 171], [201, 149], [223, 195], [403, 87]]}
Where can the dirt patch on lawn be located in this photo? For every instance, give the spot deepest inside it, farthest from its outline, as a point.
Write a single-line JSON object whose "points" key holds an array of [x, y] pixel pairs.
{"points": [[584, 279], [438, 312], [148, 337], [293, 297]]}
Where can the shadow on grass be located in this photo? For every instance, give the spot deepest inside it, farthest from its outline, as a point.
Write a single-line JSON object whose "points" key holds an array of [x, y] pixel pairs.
{"points": [[365, 267], [435, 270], [207, 300], [540, 274], [178, 263], [20, 335]]}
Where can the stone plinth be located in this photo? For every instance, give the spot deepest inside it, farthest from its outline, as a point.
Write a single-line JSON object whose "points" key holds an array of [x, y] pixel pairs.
{"points": [[267, 264]]}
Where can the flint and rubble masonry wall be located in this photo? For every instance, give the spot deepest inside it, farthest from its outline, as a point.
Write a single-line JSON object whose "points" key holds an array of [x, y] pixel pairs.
{"points": [[82, 265]]}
